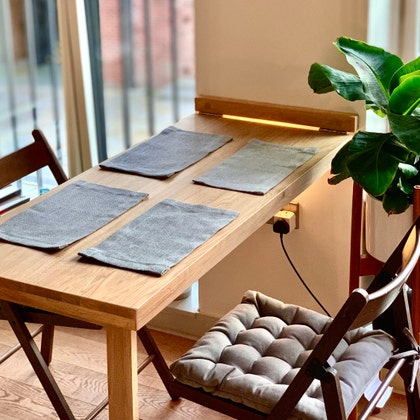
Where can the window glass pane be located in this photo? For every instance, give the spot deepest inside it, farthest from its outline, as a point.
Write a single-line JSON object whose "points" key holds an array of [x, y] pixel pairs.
{"points": [[147, 52], [30, 81]]}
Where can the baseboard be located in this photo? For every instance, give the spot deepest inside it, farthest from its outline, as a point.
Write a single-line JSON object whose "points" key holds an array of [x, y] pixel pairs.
{"points": [[183, 323]]}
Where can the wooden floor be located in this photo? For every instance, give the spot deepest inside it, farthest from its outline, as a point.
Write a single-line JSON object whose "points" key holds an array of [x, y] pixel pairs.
{"points": [[79, 366]]}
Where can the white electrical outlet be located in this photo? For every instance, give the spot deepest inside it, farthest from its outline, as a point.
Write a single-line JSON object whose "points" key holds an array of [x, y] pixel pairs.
{"points": [[287, 216]]}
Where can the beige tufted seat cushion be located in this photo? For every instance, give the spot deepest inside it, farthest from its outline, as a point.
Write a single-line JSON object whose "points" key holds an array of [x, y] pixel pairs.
{"points": [[253, 353]]}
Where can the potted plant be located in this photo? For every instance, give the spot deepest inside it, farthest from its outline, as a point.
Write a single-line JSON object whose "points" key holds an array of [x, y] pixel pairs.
{"points": [[385, 165]]}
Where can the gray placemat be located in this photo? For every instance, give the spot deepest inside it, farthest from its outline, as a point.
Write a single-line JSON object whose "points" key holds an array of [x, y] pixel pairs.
{"points": [[168, 152], [257, 167], [161, 237], [72, 213]]}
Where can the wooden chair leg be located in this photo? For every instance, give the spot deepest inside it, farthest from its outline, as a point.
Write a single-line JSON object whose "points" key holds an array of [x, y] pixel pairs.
{"points": [[37, 361], [158, 360], [47, 343], [412, 398], [353, 414], [331, 390], [6, 355]]}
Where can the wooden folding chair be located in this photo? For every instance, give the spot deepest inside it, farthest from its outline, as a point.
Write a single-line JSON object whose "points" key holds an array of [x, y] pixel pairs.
{"points": [[268, 359], [13, 167], [30, 159]]}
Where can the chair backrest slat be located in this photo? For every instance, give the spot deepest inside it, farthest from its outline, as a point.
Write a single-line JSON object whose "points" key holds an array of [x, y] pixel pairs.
{"points": [[388, 283], [29, 159]]}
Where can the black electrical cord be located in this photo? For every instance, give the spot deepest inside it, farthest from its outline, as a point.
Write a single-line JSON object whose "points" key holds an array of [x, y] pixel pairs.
{"points": [[299, 276]]}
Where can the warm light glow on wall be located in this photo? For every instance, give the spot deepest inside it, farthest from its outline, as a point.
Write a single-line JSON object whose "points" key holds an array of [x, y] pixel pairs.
{"points": [[269, 122]]}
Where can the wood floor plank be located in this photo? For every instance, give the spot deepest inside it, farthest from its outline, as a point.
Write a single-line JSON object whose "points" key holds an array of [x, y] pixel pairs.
{"points": [[22, 401]]}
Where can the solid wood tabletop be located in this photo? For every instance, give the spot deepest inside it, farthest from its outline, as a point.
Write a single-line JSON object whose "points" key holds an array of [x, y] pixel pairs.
{"points": [[64, 283]]}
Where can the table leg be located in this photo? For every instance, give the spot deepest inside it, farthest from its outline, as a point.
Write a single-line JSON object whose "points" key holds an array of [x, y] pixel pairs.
{"points": [[122, 373]]}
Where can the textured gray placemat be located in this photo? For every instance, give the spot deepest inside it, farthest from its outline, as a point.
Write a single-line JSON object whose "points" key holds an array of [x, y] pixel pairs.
{"points": [[161, 237], [257, 167], [72, 213], [168, 152]]}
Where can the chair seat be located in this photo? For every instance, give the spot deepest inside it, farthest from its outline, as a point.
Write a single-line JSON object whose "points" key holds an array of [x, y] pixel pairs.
{"points": [[253, 353]]}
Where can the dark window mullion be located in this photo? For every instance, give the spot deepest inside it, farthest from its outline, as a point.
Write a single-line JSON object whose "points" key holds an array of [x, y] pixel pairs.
{"points": [[127, 66], [30, 41], [174, 60], [54, 71], [149, 67], [95, 52]]}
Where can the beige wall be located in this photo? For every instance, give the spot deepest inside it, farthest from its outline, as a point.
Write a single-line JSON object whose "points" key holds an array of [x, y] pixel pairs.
{"points": [[262, 50], [319, 249]]}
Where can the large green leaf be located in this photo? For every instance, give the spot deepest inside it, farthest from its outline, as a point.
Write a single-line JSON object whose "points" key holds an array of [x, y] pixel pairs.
{"points": [[395, 201], [409, 171], [339, 169], [399, 195], [407, 129], [374, 66], [324, 79], [384, 164], [373, 160], [382, 63], [406, 96], [408, 68], [405, 175]]}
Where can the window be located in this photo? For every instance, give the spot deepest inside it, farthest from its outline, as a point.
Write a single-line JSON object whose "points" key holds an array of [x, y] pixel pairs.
{"points": [[145, 70], [142, 68], [30, 80]]}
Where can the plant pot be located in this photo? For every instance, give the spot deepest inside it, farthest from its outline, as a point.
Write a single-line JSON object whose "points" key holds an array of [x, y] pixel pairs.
{"points": [[383, 231]]}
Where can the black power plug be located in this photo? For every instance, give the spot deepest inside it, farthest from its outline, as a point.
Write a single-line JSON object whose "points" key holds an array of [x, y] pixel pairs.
{"points": [[281, 226]]}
